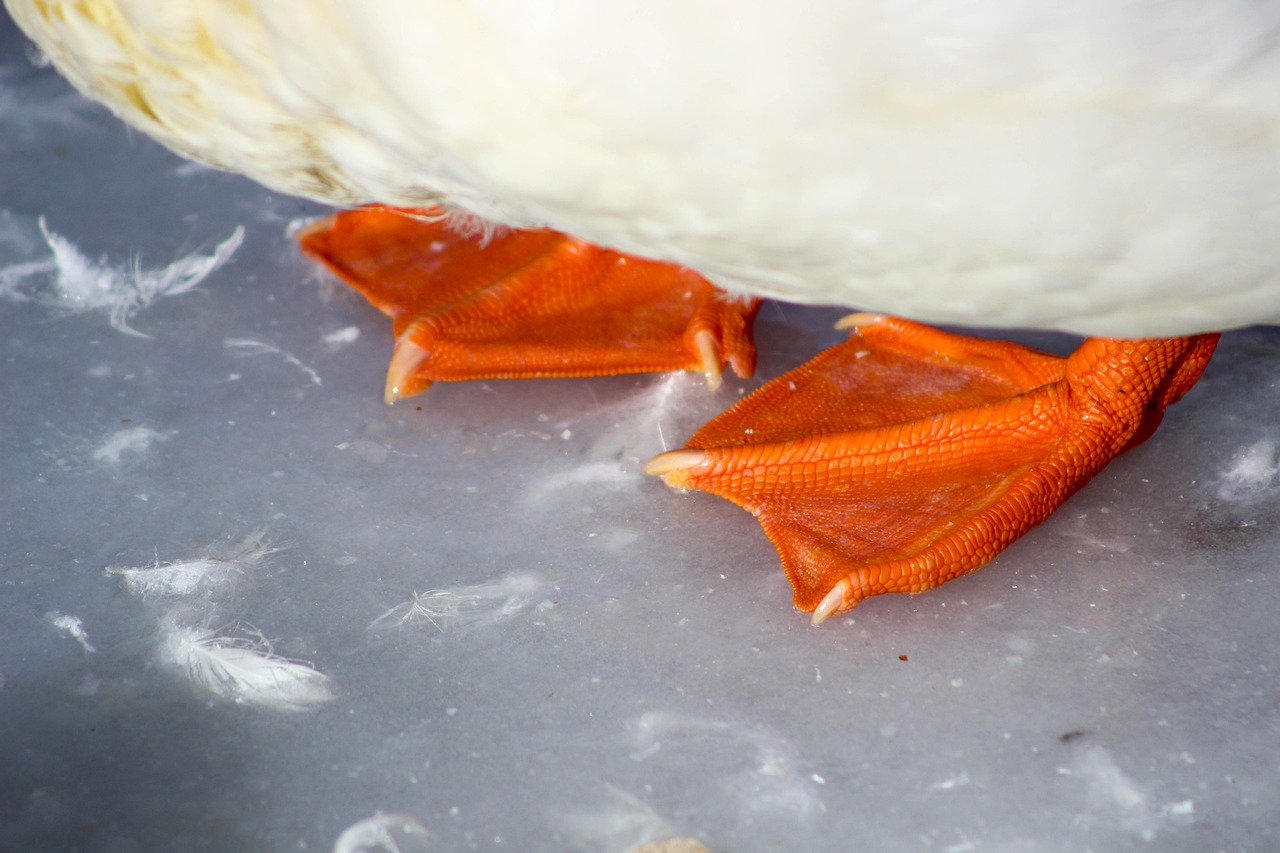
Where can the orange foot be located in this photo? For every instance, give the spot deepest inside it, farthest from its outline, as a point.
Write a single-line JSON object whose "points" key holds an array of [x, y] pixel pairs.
{"points": [[526, 303], [908, 456]]}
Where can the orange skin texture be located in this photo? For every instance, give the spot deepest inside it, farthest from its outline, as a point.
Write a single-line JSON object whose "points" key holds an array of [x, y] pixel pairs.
{"points": [[908, 456], [893, 462], [526, 303]]}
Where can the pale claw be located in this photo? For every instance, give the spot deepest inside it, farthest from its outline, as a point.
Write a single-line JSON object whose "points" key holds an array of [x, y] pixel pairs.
{"points": [[833, 601], [406, 358], [860, 320], [708, 357], [672, 464]]}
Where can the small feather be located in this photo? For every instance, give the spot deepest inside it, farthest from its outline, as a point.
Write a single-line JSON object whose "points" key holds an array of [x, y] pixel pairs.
{"points": [[481, 604], [242, 670], [250, 347], [72, 626], [208, 573], [384, 833], [133, 441], [70, 281]]}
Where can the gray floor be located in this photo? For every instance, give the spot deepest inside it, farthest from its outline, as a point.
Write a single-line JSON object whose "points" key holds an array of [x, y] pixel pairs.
{"points": [[593, 660]]}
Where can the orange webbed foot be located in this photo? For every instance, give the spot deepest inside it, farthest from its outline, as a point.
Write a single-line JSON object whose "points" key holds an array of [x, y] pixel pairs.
{"points": [[908, 456], [526, 303]]}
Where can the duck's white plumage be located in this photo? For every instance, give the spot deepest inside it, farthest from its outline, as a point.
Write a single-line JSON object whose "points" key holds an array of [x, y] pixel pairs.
{"points": [[1102, 166]]}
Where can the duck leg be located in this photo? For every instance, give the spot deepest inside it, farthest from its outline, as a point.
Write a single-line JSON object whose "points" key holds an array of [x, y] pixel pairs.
{"points": [[908, 456], [526, 303]]}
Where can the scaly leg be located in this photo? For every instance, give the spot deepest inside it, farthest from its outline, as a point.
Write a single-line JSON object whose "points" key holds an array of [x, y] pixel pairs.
{"points": [[526, 303], [908, 456]]}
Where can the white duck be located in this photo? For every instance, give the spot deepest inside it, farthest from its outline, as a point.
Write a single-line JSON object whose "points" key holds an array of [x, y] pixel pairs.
{"points": [[1103, 167]]}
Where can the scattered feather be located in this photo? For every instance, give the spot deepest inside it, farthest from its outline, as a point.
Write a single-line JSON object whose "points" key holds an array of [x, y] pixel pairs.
{"points": [[642, 423], [466, 606], [384, 833], [608, 474], [754, 765], [112, 450], [72, 626], [342, 337], [249, 347], [201, 574], [133, 441], [1113, 792], [620, 822], [241, 669], [1252, 474], [69, 281]]}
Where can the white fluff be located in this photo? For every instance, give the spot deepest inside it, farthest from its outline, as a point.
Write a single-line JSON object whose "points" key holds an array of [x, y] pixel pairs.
{"points": [[619, 821], [71, 282], [163, 580], [200, 574], [240, 669], [603, 474], [641, 425], [1113, 793], [767, 776], [246, 347], [465, 606], [1104, 166], [343, 337], [1252, 474], [72, 626], [132, 441], [384, 833]]}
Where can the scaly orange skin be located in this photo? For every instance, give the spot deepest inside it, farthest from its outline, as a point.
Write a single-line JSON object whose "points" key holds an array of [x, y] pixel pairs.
{"points": [[526, 303], [894, 462], [953, 449]]}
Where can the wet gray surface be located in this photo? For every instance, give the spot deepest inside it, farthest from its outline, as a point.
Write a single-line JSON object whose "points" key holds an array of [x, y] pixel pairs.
{"points": [[592, 660]]}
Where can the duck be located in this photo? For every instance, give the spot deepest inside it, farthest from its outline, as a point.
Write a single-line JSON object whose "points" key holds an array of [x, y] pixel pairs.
{"points": [[1101, 168]]}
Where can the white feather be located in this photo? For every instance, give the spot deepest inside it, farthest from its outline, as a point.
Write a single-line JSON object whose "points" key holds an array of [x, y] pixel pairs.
{"points": [[208, 573], [465, 606], [131, 441], [618, 820], [384, 833], [69, 281], [343, 337], [240, 669], [1252, 475], [248, 347], [184, 577], [72, 626]]}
